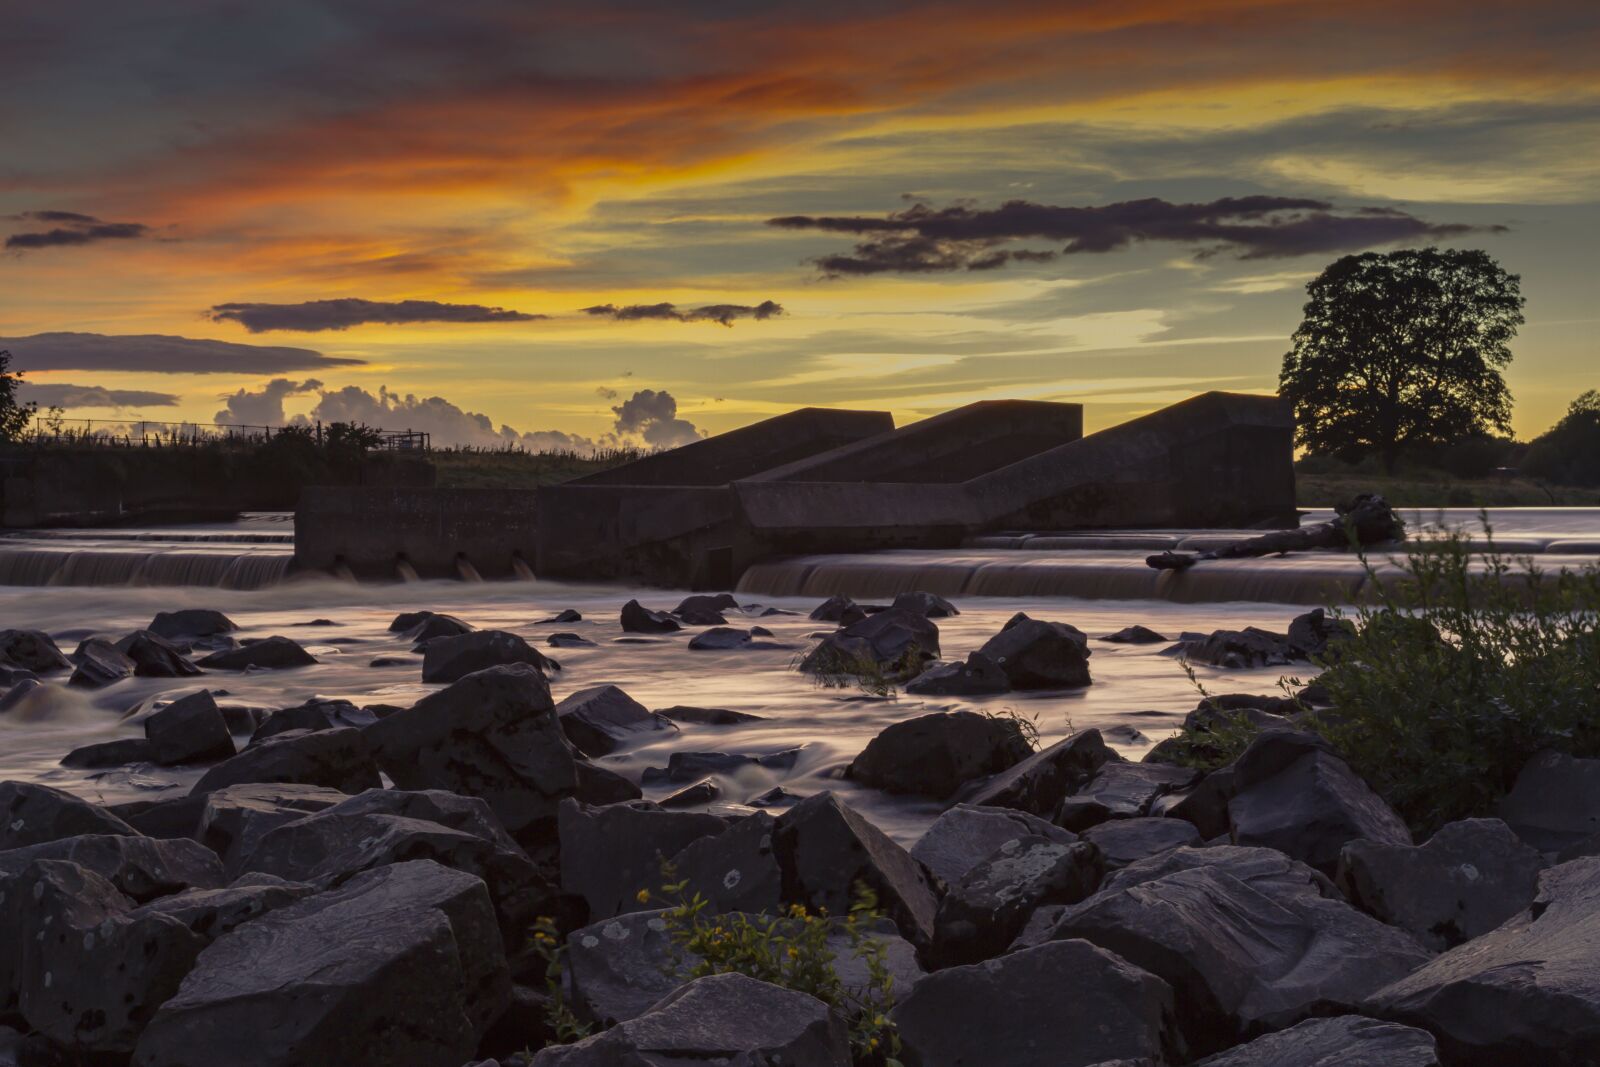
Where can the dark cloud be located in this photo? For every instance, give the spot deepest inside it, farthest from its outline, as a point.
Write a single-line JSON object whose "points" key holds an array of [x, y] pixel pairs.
{"points": [[341, 314], [652, 415], [160, 354], [62, 395], [725, 314], [72, 229], [924, 239]]}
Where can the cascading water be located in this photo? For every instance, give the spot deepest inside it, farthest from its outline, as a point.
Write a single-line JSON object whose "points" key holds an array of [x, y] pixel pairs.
{"points": [[251, 554]]}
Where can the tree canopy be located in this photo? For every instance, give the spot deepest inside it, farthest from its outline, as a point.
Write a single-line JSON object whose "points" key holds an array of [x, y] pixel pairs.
{"points": [[14, 416], [1569, 452], [1403, 348]]}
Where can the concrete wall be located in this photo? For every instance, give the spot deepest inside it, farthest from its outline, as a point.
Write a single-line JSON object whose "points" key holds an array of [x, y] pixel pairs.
{"points": [[656, 534], [370, 530]]}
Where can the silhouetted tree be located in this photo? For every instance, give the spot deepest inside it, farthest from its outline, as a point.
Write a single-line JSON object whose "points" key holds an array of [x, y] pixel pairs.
{"points": [[1403, 348], [1569, 452], [14, 416]]}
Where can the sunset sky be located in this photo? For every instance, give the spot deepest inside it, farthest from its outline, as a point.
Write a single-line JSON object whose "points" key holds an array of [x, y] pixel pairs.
{"points": [[640, 221]]}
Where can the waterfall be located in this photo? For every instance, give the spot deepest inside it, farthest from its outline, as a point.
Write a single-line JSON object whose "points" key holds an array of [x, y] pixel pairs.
{"points": [[132, 567]]}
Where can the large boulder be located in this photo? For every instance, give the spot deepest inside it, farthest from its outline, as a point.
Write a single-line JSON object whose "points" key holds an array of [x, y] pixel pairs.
{"points": [[140, 868], [155, 657], [493, 734], [31, 650], [1237, 649], [400, 965], [966, 835], [1318, 634], [426, 625], [735, 870], [232, 819], [269, 653], [836, 608], [1266, 870], [981, 914], [1039, 783], [1467, 879], [1040, 655], [339, 759], [1121, 790], [1241, 960], [897, 641], [316, 713], [706, 604], [720, 1019], [928, 605], [99, 663], [1555, 803], [1344, 1041], [638, 619], [825, 848], [610, 853], [191, 729], [935, 755], [1063, 1004], [190, 623], [32, 814], [978, 676], [449, 659], [601, 719], [115, 753], [1526, 992], [1125, 841]]}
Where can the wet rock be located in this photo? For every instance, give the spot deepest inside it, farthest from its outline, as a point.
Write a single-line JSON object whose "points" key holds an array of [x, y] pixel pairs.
{"points": [[1040, 655], [776, 797], [449, 659], [1316, 633], [400, 965], [234, 818], [191, 729], [569, 640], [1266, 870], [339, 759], [637, 619], [32, 814], [116, 753], [394, 661], [966, 835], [725, 639], [1238, 649], [1345, 1041], [1555, 803], [600, 785], [601, 719], [140, 868], [1064, 1004], [166, 819], [31, 650], [707, 716], [825, 848], [1134, 635], [695, 795], [155, 657], [1121, 790], [706, 604], [1038, 784], [434, 626], [610, 853], [735, 870], [897, 636], [493, 734], [934, 755], [1125, 841], [99, 664], [982, 913], [978, 676], [701, 618], [723, 1018], [1241, 961], [315, 714], [835, 609], [928, 605], [410, 622], [270, 653], [1468, 878], [688, 766], [190, 623], [565, 615]]}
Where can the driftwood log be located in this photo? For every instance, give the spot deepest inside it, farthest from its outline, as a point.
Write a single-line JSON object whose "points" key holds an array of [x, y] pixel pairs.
{"points": [[1367, 520]]}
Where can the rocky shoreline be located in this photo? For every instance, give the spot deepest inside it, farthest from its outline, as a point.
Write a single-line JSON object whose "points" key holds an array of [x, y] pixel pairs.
{"points": [[427, 885]]}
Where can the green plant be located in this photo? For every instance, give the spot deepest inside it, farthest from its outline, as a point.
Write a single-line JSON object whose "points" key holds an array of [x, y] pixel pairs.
{"points": [[564, 1024], [1214, 740], [832, 667], [792, 950], [1027, 725], [14, 416]]}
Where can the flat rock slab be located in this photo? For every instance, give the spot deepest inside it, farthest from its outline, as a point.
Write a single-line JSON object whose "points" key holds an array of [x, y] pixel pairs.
{"points": [[603, 718], [32, 814], [1125, 841], [140, 868], [967, 834], [1039, 783], [1345, 1041], [338, 759]]}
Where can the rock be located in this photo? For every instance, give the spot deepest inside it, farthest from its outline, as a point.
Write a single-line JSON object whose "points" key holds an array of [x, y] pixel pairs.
{"points": [[270, 653], [565, 615], [1345, 1041], [1121, 790], [568, 640], [688, 766], [601, 719], [116, 753], [637, 619], [1239, 960], [694, 795], [776, 797], [1317, 634], [1040, 655], [707, 716], [825, 848], [1125, 841], [928, 605], [735, 870], [339, 759], [978, 676], [141, 868], [191, 729], [155, 657], [400, 965], [394, 661], [1555, 803], [834, 609], [1264, 869], [99, 664], [1134, 635], [609, 854], [1063, 1004], [701, 618], [723, 639], [434, 626], [190, 623], [966, 835], [934, 755], [598, 785], [316, 713], [233, 818], [1468, 878], [31, 650], [1235, 649], [719, 1019], [450, 659], [493, 734], [33, 814], [982, 913], [166, 819], [706, 604], [1038, 784]]}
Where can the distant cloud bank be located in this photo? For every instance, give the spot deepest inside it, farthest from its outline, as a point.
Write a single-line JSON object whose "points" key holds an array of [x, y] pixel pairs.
{"points": [[341, 314], [69, 228], [724, 314], [62, 395], [160, 354]]}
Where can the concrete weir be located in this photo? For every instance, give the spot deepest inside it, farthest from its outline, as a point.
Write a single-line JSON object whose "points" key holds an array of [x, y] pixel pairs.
{"points": [[821, 480]]}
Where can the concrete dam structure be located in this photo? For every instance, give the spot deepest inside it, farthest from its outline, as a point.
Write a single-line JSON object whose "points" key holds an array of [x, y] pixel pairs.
{"points": [[821, 480]]}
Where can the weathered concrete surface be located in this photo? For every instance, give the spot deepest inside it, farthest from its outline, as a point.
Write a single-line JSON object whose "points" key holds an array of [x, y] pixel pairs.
{"points": [[371, 531]]}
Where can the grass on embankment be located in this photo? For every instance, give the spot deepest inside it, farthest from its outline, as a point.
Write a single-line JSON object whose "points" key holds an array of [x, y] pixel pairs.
{"points": [[479, 469], [1438, 490]]}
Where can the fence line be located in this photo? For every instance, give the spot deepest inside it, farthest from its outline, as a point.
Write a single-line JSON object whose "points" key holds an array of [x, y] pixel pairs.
{"points": [[49, 430]]}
